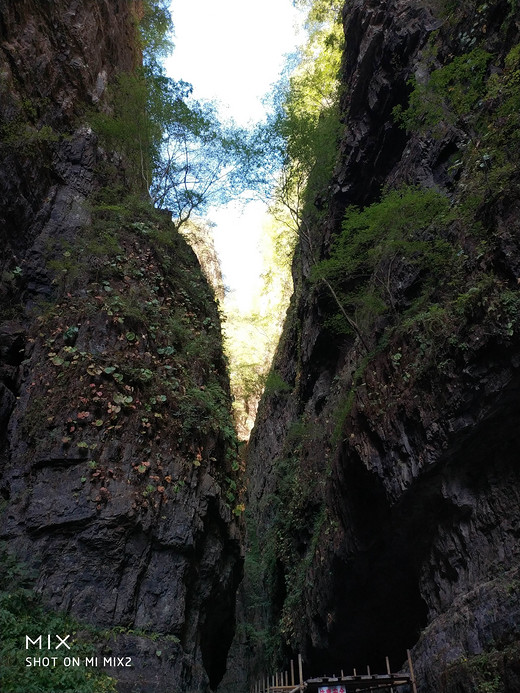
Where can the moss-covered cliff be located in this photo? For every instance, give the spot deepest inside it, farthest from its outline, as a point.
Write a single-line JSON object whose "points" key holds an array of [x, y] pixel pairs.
{"points": [[117, 445], [383, 507], [383, 477]]}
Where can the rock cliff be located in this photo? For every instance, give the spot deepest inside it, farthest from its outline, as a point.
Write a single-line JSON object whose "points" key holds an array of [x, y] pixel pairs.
{"points": [[117, 446], [383, 477]]}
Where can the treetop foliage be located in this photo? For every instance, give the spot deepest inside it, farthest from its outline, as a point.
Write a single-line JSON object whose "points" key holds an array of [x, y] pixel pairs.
{"points": [[155, 31], [378, 244], [176, 146], [320, 11], [306, 120]]}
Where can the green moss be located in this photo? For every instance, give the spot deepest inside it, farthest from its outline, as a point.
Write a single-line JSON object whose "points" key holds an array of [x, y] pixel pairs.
{"points": [[485, 672], [22, 613], [24, 132], [275, 384], [259, 578], [35, 417], [487, 107], [278, 561], [27, 139], [296, 579], [205, 409], [451, 91], [402, 231]]}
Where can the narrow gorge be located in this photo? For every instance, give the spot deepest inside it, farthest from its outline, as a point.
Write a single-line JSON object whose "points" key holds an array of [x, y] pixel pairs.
{"points": [[381, 483]]}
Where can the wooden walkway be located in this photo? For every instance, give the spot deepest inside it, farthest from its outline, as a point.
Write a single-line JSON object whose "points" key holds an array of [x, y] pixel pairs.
{"points": [[285, 682]]}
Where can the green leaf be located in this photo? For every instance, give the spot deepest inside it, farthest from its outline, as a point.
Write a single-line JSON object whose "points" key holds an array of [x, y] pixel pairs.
{"points": [[119, 398]]}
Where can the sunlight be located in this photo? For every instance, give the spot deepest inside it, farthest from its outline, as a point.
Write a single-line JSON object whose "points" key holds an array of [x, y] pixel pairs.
{"points": [[237, 240], [233, 50], [232, 53]]}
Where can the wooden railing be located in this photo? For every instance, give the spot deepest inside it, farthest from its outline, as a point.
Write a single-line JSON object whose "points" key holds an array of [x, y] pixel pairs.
{"points": [[285, 682], [282, 681]]}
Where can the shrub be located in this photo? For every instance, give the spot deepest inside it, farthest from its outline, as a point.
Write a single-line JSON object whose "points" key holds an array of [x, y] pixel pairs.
{"points": [[400, 233], [451, 91], [22, 613]]}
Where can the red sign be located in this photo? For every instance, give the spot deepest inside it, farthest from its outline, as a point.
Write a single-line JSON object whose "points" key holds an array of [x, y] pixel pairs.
{"points": [[331, 689]]}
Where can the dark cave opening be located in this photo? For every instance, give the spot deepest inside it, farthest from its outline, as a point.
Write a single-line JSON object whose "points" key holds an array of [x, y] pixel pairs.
{"points": [[217, 627], [379, 613], [376, 603]]}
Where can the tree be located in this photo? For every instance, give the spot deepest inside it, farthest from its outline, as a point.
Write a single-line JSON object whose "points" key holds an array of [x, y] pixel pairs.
{"points": [[199, 160], [155, 31], [175, 146], [306, 115], [307, 124]]}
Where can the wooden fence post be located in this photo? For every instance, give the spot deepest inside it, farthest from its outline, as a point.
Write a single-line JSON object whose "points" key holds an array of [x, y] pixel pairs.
{"points": [[412, 674], [389, 672]]}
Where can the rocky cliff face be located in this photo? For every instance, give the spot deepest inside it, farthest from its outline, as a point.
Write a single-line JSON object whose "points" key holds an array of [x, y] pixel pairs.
{"points": [[383, 481], [115, 434]]}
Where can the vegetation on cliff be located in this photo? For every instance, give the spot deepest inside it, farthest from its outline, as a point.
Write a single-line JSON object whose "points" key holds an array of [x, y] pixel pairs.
{"points": [[305, 123], [115, 396], [398, 290], [23, 615]]}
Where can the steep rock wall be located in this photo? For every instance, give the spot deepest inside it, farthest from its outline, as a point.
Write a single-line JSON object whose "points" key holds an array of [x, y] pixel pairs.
{"points": [[383, 487], [116, 439]]}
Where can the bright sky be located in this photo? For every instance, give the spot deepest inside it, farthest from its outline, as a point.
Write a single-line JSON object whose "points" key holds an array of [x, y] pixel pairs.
{"points": [[233, 51]]}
